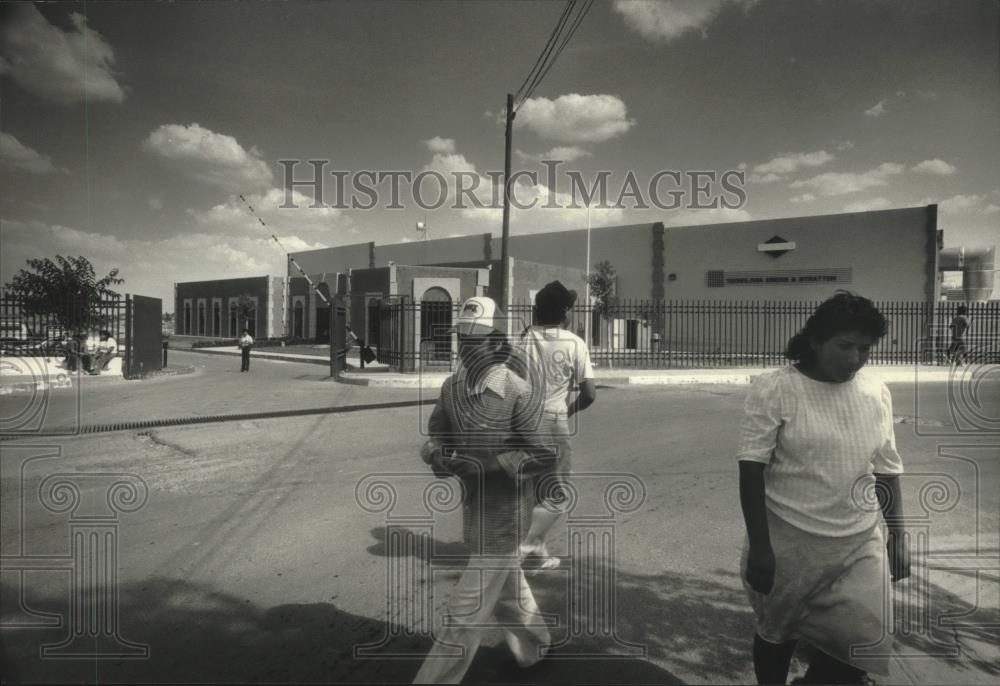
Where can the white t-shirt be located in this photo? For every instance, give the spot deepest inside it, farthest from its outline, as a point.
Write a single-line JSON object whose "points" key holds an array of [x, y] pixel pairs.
{"points": [[822, 443], [558, 361], [108, 346]]}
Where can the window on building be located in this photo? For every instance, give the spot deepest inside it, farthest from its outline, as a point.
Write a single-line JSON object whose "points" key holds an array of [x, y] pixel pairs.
{"points": [[201, 319], [234, 320], [298, 320], [216, 319], [187, 319]]}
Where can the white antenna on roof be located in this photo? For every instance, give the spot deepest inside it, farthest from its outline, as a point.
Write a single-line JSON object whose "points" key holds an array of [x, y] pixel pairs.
{"points": [[422, 228]]}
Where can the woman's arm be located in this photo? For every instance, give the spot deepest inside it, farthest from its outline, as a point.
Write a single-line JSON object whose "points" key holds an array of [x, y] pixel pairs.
{"points": [[760, 561], [890, 500], [584, 399]]}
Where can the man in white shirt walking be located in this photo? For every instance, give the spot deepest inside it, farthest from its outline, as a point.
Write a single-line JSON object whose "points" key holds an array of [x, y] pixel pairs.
{"points": [[556, 363]]}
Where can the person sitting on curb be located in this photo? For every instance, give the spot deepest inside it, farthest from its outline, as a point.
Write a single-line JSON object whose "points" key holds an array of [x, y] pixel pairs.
{"points": [[245, 342], [107, 348]]}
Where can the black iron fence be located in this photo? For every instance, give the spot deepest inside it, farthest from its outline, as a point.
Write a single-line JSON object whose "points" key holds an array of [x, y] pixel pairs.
{"points": [[648, 334], [24, 332]]}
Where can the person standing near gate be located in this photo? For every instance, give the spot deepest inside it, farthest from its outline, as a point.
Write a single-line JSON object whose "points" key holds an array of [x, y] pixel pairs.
{"points": [[959, 325], [245, 342], [484, 431], [818, 462], [557, 363]]}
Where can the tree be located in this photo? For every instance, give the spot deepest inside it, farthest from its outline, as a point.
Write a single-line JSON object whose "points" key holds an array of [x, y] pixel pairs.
{"points": [[66, 289], [246, 308], [603, 280]]}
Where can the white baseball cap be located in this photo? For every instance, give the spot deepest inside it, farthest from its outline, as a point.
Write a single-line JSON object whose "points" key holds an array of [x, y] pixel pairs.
{"points": [[479, 316]]}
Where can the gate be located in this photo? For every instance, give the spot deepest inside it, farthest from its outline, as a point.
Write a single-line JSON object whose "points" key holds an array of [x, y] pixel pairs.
{"points": [[143, 336]]}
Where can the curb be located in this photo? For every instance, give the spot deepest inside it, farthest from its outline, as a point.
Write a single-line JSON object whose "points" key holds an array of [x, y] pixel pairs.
{"points": [[279, 357], [734, 378]]}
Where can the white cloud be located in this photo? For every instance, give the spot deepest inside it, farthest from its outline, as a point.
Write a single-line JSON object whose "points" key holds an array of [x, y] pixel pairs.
{"points": [[876, 110], [562, 153], [843, 145], [763, 178], [805, 197], [149, 267], [321, 226], [935, 167], [879, 203], [790, 162], [155, 202], [441, 145], [839, 183], [575, 118], [15, 154], [213, 158], [958, 204], [664, 20], [63, 67]]}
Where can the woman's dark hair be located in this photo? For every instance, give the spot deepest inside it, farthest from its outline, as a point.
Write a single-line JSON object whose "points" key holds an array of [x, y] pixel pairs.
{"points": [[962, 309], [845, 311]]}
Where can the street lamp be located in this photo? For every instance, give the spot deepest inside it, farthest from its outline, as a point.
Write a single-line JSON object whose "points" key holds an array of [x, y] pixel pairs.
{"points": [[588, 316]]}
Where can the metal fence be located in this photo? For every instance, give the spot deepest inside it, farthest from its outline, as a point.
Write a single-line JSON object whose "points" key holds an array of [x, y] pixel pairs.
{"points": [[24, 332], [648, 334]]}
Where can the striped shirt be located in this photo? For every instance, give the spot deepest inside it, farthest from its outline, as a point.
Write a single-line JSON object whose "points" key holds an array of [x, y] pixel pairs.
{"points": [[822, 444]]}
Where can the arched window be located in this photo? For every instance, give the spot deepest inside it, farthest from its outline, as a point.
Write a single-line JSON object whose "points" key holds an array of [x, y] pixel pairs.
{"points": [[201, 319], [216, 319], [187, 319], [234, 320], [298, 319], [435, 322]]}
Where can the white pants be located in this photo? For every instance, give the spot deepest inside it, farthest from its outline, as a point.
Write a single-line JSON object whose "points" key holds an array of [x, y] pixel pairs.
{"points": [[491, 593]]}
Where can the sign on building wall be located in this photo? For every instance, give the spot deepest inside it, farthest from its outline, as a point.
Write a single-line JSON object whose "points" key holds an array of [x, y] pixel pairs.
{"points": [[718, 278]]}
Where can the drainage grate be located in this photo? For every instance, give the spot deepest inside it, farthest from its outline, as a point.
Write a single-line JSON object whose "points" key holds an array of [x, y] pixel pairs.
{"points": [[213, 419]]}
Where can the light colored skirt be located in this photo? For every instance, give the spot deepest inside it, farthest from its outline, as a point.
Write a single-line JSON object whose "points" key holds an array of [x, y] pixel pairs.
{"points": [[828, 592]]}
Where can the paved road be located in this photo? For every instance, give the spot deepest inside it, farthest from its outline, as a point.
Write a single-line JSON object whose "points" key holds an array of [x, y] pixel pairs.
{"points": [[253, 561]]}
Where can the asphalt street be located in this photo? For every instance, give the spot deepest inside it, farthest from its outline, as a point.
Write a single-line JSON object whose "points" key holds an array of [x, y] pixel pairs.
{"points": [[275, 550]]}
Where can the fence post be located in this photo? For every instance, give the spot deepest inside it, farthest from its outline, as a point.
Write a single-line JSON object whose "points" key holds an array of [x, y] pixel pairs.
{"points": [[129, 335]]}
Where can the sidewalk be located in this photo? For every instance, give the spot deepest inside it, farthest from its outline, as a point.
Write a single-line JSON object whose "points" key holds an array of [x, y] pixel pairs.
{"points": [[380, 376]]}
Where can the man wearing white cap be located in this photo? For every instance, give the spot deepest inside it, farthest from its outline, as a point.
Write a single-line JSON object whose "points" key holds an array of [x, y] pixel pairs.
{"points": [[484, 430]]}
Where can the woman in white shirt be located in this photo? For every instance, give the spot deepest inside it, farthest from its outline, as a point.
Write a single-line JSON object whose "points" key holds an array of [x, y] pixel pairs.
{"points": [[818, 463]]}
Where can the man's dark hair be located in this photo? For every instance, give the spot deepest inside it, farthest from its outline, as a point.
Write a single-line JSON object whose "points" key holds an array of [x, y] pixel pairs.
{"points": [[843, 312], [552, 303], [962, 309]]}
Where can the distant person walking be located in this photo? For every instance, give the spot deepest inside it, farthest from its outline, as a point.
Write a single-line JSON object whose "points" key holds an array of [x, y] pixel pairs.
{"points": [[245, 342], [817, 452], [959, 325], [483, 430], [557, 364]]}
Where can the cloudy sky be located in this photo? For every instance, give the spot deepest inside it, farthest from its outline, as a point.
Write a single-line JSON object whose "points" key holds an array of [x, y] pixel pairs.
{"points": [[128, 130]]}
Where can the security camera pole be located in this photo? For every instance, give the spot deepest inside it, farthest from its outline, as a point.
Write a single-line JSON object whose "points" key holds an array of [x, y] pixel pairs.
{"points": [[505, 237]]}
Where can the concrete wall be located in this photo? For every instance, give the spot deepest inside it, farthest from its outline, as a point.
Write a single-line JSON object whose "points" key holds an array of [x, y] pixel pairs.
{"points": [[628, 248], [331, 260], [441, 250], [885, 252], [225, 291]]}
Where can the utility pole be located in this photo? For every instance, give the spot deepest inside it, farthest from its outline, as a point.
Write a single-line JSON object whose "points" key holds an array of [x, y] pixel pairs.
{"points": [[505, 236]]}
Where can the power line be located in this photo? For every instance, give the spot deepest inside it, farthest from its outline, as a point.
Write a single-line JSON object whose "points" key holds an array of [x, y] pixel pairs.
{"points": [[548, 47], [569, 35]]}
